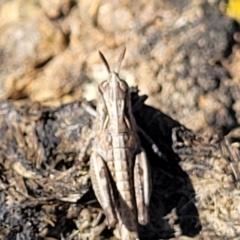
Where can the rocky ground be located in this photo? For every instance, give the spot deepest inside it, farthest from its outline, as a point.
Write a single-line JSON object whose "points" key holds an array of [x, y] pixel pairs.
{"points": [[185, 56]]}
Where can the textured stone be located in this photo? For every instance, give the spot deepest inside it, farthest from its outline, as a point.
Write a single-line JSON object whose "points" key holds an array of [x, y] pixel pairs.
{"points": [[25, 46]]}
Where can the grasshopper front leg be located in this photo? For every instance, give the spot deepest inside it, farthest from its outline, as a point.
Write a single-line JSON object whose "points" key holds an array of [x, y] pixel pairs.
{"points": [[142, 187], [102, 187]]}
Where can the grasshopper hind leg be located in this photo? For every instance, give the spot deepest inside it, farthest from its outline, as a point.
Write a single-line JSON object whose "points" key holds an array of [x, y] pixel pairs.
{"points": [[142, 187], [100, 178]]}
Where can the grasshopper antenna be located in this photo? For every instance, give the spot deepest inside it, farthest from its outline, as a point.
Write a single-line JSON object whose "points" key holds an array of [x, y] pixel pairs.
{"points": [[104, 61], [120, 59]]}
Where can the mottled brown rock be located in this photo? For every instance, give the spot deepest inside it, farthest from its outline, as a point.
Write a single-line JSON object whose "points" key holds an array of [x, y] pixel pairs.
{"points": [[61, 76], [56, 8], [24, 47]]}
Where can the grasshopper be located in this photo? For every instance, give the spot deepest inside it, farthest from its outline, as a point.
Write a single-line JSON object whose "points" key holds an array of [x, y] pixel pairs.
{"points": [[118, 165]]}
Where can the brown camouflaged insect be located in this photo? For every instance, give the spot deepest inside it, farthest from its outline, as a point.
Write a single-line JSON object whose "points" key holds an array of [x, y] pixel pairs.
{"points": [[118, 166]]}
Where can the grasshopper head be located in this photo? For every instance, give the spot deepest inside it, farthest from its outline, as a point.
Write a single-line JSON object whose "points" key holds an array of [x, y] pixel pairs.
{"points": [[114, 86]]}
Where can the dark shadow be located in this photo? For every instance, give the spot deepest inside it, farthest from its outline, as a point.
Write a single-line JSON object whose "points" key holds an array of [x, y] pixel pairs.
{"points": [[172, 189]]}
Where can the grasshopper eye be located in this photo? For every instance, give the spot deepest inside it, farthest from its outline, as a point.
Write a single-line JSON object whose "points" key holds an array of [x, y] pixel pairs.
{"points": [[123, 85], [125, 137], [108, 139], [103, 86]]}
